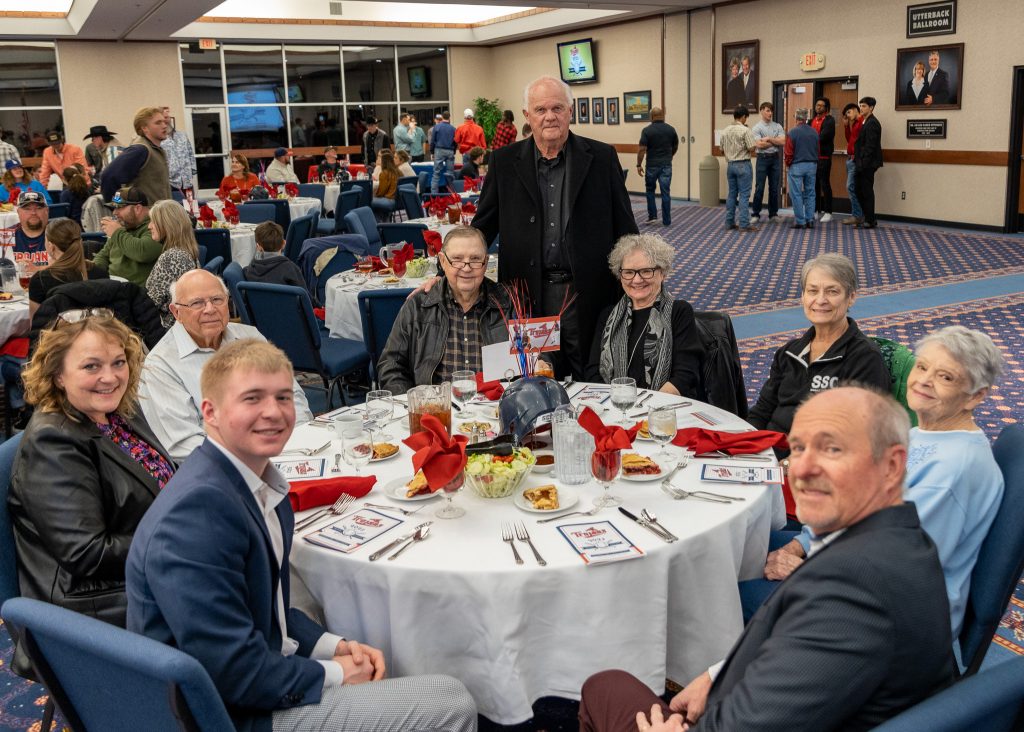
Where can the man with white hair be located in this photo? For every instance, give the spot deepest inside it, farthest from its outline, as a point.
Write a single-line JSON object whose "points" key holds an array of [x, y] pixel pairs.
{"points": [[469, 134], [559, 202], [169, 391]]}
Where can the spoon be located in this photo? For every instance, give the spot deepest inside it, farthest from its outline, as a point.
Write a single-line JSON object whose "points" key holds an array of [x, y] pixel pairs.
{"points": [[337, 463], [653, 520], [420, 535]]}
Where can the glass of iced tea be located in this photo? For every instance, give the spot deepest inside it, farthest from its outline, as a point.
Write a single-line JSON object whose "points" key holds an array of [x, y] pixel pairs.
{"points": [[433, 399]]}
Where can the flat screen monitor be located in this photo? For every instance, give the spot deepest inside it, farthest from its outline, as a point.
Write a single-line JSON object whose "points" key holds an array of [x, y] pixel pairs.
{"points": [[419, 81], [576, 62]]}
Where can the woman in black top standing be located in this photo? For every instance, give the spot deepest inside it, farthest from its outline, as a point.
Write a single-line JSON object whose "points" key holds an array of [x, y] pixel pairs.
{"points": [[67, 262]]}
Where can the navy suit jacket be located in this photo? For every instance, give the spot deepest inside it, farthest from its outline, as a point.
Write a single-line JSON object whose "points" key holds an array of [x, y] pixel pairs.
{"points": [[938, 88], [201, 576]]}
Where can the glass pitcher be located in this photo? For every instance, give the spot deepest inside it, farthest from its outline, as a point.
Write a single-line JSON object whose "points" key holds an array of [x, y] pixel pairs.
{"points": [[573, 447], [435, 399]]}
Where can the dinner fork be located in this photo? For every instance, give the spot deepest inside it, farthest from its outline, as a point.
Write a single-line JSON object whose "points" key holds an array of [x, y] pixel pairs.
{"points": [[591, 512], [679, 494], [336, 509], [523, 535], [306, 451], [506, 536]]}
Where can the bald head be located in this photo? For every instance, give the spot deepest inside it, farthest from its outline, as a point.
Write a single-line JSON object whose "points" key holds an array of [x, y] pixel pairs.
{"points": [[199, 302]]}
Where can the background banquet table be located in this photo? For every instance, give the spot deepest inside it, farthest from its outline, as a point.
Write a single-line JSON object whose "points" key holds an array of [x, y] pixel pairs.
{"points": [[14, 320], [458, 604], [298, 206], [8, 219]]}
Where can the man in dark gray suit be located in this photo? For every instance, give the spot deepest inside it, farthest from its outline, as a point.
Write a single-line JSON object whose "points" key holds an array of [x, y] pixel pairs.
{"points": [[833, 648]]}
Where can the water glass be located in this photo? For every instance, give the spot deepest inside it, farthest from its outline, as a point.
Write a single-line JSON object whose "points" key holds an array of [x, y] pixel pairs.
{"points": [[624, 394], [380, 406], [662, 426], [464, 385], [573, 446], [357, 447]]}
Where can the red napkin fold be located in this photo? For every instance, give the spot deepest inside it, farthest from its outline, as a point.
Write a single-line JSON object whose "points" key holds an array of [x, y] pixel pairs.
{"points": [[230, 211], [320, 313], [606, 438], [306, 494], [434, 242], [703, 441], [473, 184], [15, 194], [440, 457], [490, 389], [405, 254], [207, 216], [291, 190], [469, 208], [313, 176], [438, 205], [16, 347], [378, 265]]}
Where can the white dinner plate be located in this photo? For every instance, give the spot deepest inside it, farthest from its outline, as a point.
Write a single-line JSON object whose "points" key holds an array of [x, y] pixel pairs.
{"points": [[566, 499], [490, 428], [646, 478], [389, 457], [16, 298], [395, 490]]}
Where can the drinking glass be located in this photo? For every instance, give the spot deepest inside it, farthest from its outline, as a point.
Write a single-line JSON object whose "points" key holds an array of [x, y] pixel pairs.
{"points": [[662, 426], [380, 406], [624, 394], [448, 510], [365, 265], [604, 466], [23, 274], [357, 447], [464, 386]]}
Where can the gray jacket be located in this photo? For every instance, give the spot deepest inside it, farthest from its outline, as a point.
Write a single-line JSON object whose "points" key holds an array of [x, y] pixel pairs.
{"points": [[416, 345]]}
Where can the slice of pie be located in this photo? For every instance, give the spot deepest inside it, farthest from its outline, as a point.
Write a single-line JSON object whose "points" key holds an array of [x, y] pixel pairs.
{"points": [[644, 432], [543, 498], [417, 486], [6, 296], [633, 464], [383, 450]]}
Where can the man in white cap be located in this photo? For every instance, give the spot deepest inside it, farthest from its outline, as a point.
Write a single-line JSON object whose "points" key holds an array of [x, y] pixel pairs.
{"points": [[469, 134]]}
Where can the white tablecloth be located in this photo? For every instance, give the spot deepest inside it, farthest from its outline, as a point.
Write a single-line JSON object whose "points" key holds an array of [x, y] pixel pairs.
{"points": [[342, 303], [458, 604], [14, 320], [8, 219], [298, 206], [331, 193]]}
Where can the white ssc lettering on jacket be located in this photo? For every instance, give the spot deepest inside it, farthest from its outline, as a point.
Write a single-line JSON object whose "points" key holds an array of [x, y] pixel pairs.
{"points": [[821, 383]]}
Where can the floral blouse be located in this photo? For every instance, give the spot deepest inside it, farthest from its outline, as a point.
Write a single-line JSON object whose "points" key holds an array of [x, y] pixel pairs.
{"points": [[121, 434]]}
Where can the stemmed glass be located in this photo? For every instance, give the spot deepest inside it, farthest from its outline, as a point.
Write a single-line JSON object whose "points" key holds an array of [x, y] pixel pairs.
{"points": [[624, 395], [464, 386], [380, 407], [448, 510], [357, 447], [604, 466], [662, 426]]}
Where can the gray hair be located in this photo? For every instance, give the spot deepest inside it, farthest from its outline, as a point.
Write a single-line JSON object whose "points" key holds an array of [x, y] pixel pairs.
{"points": [[464, 232], [973, 350], [566, 91], [173, 289], [659, 251], [837, 266], [889, 423]]}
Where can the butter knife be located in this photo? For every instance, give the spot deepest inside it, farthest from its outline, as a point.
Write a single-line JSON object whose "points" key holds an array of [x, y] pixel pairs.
{"points": [[647, 525], [720, 456], [381, 552]]}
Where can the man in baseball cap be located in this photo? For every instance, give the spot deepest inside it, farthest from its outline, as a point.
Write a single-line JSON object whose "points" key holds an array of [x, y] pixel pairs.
{"points": [[58, 156], [469, 134], [280, 170], [130, 250], [29, 237]]}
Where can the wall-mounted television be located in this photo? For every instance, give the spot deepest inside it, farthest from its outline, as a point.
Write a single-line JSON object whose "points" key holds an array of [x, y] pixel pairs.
{"points": [[576, 61], [419, 81]]}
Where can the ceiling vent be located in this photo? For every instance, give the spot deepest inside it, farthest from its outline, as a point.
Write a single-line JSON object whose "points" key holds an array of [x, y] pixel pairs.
{"points": [[335, 7]]}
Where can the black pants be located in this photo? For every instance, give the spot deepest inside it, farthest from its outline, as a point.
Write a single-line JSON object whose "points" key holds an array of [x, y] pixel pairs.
{"points": [[864, 184], [823, 185], [572, 354], [416, 158]]}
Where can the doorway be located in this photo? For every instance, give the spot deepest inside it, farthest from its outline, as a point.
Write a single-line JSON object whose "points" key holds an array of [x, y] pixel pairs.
{"points": [[1015, 170], [209, 130]]}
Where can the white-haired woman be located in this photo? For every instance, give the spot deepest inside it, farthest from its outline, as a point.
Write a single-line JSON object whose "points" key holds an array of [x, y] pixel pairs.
{"points": [[647, 335]]}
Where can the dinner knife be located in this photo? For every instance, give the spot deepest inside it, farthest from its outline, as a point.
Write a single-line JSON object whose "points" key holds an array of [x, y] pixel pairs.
{"points": [[714, 456], [381, 552], [646, 524]]}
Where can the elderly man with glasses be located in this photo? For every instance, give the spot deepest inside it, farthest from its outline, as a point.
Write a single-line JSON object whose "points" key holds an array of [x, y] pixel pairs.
{"points": [[442, 331], [169, 391]]}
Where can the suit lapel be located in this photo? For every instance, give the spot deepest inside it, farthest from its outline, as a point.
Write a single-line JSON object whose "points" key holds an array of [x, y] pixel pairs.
{"points": [[526, 169]]}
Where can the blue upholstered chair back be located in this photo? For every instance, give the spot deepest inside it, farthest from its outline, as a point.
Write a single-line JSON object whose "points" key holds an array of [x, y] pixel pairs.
{"points": [[232, 275], [342, 261], [8, 555], [256, 212], [362, 221], [458, 185], [216, 241], [394, 233], [59, 210], [407, 180], [284, 315], [410, 201], [282, 211], [365, 188], [214, 266], [378, 310], [177, 195], [1001, 559], [106, 678], [348, 200], [423, 181], [313, 190], [299, 230]]}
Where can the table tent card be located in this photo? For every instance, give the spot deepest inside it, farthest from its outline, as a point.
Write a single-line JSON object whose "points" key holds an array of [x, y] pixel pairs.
{"points": [[718, 473], [599, 542], [353, 531], [304, 469]]}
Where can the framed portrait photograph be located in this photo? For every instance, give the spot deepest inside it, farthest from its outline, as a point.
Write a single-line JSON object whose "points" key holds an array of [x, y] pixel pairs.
{"points": [[739, 75], [929, 77], [583, 113], [612, 105], [636, 106], [597, 111]]}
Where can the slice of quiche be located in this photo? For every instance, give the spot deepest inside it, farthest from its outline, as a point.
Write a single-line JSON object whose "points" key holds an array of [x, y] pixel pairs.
{"points": [[543, 498]]}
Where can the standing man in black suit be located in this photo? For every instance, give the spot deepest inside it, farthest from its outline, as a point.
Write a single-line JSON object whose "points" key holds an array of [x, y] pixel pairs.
{"points": [[825, 125], [559, 203], [938, 83], [834, 650], [867, 158]]}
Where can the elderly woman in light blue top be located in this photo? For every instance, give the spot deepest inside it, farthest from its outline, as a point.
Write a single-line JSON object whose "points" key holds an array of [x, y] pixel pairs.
{"points": [[952, 476]]}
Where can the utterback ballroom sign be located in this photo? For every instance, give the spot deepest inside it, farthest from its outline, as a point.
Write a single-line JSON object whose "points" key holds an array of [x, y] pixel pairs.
{"points": [[932, 129], [931, 19]]}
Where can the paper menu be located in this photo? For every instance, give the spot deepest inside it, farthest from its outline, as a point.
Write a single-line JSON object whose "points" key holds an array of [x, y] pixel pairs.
{"points": [[353, 531], [599, 542], [718, 473], [594, 393], [301, 469]]}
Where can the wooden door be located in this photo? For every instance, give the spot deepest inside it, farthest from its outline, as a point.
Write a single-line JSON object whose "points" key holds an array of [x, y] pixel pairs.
{"points": [[799, 95], [839, 98]]}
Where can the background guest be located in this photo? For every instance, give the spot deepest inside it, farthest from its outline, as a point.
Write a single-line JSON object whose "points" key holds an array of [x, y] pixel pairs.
{"points": [[67, 262], [280, 169], [505, 132], [58, 156], [330, 164], [402, 159], [418, 139], [171, 226], [239, 178], [16, 177], [75, 193], [386, 176], [130, 251], [270, 265], [472, 162]]}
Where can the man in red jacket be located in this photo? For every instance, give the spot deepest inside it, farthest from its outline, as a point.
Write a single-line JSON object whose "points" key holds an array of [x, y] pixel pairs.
{"points": [[469, 134]]}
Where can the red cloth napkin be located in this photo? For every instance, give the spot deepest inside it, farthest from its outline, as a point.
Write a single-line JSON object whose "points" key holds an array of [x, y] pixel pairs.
{"points": [[434, 242], [313, 176], [405, 254], [469, 208], [440, 457], [230, 211], [16, 347], [291, 190], [703, 441], [320, 313], [607, 438], [207, 216], [306, 494], [377, 264], [490, 389], [473, 184], [15, 193]]}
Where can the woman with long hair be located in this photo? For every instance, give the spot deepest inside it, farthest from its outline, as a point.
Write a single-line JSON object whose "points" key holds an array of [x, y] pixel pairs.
{"points": [[16, 177], [76, 192], [169, 224], [505, 132], [383, 203], [240, 177], [63, 242]]}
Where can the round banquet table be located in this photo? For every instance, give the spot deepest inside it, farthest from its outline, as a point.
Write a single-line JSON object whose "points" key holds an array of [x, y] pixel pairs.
{"points": [[298, 206], [8, 219], [14, 320], [458, 604]]}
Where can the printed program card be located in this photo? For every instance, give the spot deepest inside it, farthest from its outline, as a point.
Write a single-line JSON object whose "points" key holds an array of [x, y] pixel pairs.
{"points": [[592, 393], [353, 531], [599, 542], [718, 473], [301, 469]]}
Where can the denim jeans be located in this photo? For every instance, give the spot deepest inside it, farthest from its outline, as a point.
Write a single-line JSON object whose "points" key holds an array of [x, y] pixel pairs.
{"points": [[740, 176], [801, 191], [444, 162], [851, 189], [662, 175], [770, 167]]}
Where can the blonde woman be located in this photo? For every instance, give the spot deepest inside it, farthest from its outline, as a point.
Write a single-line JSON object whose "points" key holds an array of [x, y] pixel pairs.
{"points": [[170, 225], [63, 242]]}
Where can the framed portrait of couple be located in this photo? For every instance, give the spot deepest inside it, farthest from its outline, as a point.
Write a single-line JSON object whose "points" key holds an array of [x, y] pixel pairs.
{"points": [[739, 75], [929, 77]]}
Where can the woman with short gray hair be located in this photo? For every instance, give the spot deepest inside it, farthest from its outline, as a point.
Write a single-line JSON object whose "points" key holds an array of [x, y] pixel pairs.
{"points": [[647, 335]]}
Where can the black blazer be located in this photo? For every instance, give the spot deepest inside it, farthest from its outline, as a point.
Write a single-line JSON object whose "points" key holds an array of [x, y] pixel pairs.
{"points": [[858, 633], [827, 137], [909, 97], [599, 213], [867, 150], [938, 87]]}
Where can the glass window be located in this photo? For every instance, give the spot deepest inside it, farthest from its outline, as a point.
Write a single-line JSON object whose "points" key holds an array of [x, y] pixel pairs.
{"points": [[314, 73], [255, 74], [320, 124], [26, 129], [28, 75], [422, 73], [386, 114], [257, 127], [370, 74], [201, 73]]}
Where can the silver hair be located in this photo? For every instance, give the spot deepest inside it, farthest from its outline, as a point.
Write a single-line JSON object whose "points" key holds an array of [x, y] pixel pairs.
{"points": [[888, 423], [659, 251], [464, 232], [972, 349], [838, 266], [546, 80], [174, 285]]}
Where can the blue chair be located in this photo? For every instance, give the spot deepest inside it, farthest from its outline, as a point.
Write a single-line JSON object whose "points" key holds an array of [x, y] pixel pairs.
{"points": [[1001, 558], [217, 243], [405, 180], [377, 311], [177, 195], [298, 231], [365, 188], [423, 181], [410, 201], [362, 221], [214, 266], [992, 701], [256, 213], [394, 233], [342, 261], [458, 185], [347, 201], [202, 254], [313, 190], [59, 210], [232, 275], [282, 211], [106, 678], [284, 315]]}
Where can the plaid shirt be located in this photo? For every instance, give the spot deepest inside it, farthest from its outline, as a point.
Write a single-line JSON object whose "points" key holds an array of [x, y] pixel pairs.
{"points": [[462, 350], [181, 160], [7, 152], [504, 134]]}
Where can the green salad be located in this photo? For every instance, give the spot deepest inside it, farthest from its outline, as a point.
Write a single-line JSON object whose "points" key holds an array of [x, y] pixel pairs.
{"points": [[496, 476], [417, 267]]}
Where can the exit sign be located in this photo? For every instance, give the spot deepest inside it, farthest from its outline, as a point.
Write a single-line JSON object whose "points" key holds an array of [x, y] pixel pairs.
{"points": [[812, 61], [207, 44]]}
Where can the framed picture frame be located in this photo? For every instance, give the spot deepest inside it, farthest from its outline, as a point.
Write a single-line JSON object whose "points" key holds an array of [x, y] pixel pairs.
{"points": [[572, 111], [929, 77], [612, 107], [583, 111], [740, 75], [636, 106], [597, 111]]}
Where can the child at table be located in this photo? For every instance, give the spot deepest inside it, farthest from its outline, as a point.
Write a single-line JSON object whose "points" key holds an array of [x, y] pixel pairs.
{"points": [[270, 265]]}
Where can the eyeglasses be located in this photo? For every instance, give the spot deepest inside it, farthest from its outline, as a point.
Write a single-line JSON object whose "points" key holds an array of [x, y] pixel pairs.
{"points": [[74, 316], [473, 264], [198, 305], [646, 273]]}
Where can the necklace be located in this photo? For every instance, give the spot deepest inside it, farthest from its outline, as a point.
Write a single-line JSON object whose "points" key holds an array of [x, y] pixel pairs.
{"points": [[638, 342]]}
